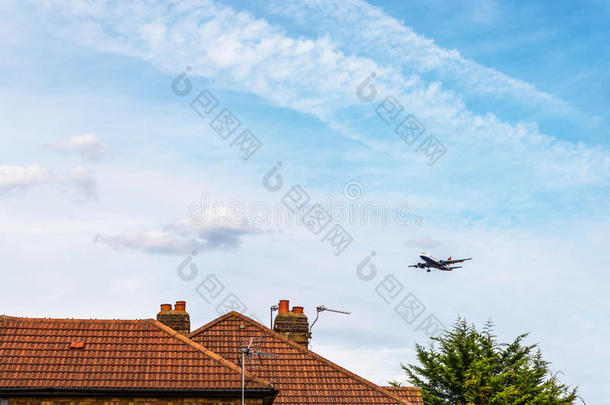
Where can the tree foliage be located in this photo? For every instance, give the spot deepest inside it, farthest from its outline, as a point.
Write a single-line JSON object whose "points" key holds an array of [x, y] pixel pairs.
{"points": [[467, 366]]}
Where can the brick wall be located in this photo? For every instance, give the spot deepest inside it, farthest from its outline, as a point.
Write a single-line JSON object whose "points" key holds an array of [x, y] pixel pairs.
{"points": [[294, 326]]}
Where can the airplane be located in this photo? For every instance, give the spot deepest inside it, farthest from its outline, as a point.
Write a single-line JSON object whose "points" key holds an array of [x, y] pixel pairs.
{"points": [[432, 262]]}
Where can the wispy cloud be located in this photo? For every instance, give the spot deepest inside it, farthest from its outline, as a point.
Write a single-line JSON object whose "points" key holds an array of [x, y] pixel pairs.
{"points": [[22, 177], [19, 179], [182, 237], [88, 146], [361, 28], [316, 77]]}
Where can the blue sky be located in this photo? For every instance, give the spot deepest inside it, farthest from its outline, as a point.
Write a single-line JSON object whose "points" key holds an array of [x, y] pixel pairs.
{"points": [[100, 163]]}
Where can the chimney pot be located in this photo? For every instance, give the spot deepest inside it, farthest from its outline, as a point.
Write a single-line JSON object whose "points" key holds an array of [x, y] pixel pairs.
{"points": [[284, 307], [178, 319], [292, 324]]}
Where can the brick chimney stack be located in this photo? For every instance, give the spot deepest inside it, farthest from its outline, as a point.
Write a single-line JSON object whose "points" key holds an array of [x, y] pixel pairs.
{"points": [[292, 324], [177, 319]]}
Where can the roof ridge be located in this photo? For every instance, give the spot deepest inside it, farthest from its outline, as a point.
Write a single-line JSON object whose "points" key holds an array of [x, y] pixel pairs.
{"points": [[25, 318], [301, 348], [214, 356]]}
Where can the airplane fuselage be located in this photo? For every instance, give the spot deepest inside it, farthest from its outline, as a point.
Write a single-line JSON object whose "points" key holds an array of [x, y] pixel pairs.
{"points": [[430, 261]]}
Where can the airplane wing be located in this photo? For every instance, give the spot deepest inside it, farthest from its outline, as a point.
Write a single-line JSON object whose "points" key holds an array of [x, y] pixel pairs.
{"points": [[454, 267], [456, 261], [414, 265], [450, 268]]}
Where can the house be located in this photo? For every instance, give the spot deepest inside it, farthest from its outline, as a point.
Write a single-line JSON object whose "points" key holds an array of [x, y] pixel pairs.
{"points": [[300, 375], [160, 362], [118, 362]]}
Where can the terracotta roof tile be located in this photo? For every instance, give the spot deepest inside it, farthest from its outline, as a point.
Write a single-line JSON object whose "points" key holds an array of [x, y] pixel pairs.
{"points": [[119, 354], [301, 376], [411, 394]]}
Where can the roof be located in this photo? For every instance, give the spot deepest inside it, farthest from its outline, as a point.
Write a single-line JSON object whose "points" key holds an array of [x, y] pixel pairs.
{"points": [[411, 394], [302, 376], [110, 354]]}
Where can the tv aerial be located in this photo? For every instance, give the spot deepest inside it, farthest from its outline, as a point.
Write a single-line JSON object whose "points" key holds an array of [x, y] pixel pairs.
{"points": [[322, 308], [273, 309], [252, 356]]}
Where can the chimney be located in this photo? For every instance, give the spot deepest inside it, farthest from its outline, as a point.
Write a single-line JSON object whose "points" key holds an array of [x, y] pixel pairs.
{"points": [[177, 319], [292, 324], [284, 307]]}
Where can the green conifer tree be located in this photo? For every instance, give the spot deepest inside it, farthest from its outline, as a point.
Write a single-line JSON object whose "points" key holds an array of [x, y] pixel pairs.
{"points": [[465, 366]]}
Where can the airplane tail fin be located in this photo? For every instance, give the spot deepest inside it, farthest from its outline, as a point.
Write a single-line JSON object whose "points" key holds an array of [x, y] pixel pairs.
{"points": [[449, 258]]}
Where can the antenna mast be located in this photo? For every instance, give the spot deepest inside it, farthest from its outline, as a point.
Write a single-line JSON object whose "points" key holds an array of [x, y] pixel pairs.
{"points": [[322, 308], [246, 353], [272, 310]]}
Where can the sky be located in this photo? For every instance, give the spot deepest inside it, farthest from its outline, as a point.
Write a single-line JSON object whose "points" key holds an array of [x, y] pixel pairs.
{"points": [[231, 154]]}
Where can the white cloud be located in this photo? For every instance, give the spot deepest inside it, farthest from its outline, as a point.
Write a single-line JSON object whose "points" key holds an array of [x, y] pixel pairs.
{"points": [[80, 180], [183, 237], [88, 146], [18, 179], [315, 76], [367, 30]]}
